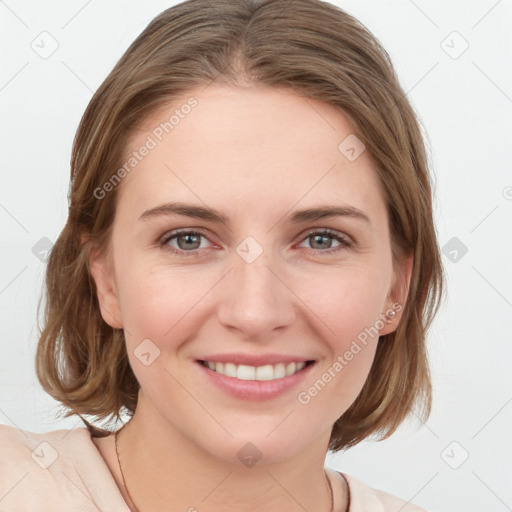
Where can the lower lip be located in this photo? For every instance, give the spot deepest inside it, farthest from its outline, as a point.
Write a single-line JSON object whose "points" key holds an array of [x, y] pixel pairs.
{"points": [[255, 389]]}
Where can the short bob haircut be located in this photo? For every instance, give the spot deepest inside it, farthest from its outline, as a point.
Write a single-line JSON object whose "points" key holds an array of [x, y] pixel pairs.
{"points": [[320, 52]]}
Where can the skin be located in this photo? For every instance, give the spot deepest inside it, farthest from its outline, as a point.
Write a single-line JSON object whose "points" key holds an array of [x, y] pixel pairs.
{"points": [[256, 154]]}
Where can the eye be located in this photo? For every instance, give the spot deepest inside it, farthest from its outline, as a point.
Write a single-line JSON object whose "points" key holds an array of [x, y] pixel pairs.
{"points": [[185, 239], [321, 240], [189, 242]]}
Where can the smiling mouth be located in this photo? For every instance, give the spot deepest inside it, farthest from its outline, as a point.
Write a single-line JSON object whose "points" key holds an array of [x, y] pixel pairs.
{"points": [[261, 373]]}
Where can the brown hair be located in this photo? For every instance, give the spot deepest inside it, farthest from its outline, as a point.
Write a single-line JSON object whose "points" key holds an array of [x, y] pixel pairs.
{"points": [[323, 53]]}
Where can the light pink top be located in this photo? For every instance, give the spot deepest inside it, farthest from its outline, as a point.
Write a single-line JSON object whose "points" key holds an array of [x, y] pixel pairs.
{"points": [[62, 470]]}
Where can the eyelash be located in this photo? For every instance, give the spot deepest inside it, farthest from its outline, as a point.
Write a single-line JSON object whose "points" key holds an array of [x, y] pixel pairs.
{"points": [[346, 242]]}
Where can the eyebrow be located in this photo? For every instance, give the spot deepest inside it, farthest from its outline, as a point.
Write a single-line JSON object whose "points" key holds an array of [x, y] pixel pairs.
{"points": [[210, 214]]}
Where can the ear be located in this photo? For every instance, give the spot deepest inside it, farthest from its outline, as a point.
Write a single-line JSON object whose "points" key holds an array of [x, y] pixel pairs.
{"points": [[395, 302], [101, 269]]}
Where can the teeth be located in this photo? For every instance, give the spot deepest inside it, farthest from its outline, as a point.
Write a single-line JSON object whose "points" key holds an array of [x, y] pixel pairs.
{"points": [[279, 371], [244, 372], [229, 370], [264, 372], [290, 369]]}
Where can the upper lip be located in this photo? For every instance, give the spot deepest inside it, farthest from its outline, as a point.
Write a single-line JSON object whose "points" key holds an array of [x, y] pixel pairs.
{"points": [[254, 360]]}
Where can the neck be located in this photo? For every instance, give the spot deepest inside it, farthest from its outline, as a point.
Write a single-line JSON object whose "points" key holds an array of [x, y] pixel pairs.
{"points": [[165, 470]]}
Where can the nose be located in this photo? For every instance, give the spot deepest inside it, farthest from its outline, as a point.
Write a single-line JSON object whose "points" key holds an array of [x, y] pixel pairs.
{"points": [[256, 300]]}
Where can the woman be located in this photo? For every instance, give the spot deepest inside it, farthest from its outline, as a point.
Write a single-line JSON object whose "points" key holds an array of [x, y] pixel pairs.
{"points": [[249, 269]]}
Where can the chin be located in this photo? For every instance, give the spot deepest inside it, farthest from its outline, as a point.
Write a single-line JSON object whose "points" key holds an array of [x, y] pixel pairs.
{"points": [[251, 446]]}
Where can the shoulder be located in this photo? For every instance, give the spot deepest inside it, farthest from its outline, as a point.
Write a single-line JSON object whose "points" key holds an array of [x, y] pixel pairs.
{"points": [[51, 470], [22, 450], [25, 449], [368, 499], [393, 503]]}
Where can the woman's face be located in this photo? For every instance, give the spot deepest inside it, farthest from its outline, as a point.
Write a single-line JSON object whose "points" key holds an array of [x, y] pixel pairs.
{"points": [[263, 287]]}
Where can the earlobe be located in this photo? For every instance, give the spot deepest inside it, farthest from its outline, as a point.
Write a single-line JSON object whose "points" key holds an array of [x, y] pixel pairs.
{"points": [[102, 274], [395, 303]]}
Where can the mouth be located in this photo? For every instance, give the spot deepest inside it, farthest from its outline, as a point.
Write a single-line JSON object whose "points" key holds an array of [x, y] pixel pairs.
{"points": [[268, 372]]}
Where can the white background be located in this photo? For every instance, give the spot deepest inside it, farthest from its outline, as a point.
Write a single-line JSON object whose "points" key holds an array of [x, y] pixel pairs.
{"points": [[465, 106]]}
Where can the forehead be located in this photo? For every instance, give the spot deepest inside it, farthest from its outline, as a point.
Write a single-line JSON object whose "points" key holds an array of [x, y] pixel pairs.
{"points": [[243, 148]]}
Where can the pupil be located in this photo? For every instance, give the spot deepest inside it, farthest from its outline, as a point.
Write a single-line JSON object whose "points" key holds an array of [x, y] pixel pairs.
{"points": [[317, 237], [189, 238]]}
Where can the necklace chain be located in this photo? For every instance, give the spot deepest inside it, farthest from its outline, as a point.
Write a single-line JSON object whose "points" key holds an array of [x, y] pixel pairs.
{"points": [[133, 503], [121, 469]]}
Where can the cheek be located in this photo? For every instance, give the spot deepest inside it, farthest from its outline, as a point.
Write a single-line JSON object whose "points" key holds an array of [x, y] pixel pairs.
{"points": [[163, 306], [347, 309], [156, 304], [336, 385], [346, 300], [162, 302]]}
